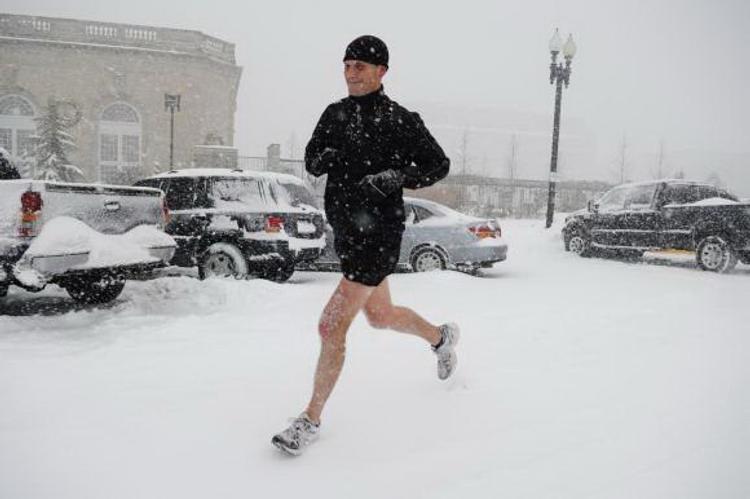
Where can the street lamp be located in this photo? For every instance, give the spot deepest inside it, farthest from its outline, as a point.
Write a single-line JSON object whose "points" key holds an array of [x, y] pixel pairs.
{"points": [[171, 103], [558, 73]]}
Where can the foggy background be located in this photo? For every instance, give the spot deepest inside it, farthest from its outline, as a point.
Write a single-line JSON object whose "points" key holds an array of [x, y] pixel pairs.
{"points": [[650, 80]]}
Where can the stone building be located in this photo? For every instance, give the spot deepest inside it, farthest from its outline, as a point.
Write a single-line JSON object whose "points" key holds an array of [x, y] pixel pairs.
{"points": [[117, 75]]}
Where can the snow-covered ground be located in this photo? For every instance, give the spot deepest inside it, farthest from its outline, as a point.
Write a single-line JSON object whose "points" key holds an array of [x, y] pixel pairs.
{"points": [[578, 378]]}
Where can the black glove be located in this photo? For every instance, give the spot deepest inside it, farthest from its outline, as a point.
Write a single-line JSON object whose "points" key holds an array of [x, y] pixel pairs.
{"points": [[384, 183], [329, 160]]}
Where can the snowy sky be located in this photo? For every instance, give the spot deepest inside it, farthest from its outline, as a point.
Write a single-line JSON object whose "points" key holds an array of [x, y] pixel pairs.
{"points": [[668, 71]]}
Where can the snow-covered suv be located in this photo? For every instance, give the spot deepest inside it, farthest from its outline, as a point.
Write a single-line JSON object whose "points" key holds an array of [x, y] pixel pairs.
{"points": [[239, 223]]}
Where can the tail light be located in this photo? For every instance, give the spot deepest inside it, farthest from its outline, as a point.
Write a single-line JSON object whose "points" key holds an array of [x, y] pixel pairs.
{"points": [[166, 217], [274, 223], [489, 229], [31, 208]]}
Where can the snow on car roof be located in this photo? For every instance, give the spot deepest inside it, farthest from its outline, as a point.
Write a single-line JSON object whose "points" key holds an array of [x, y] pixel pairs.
{"points": [[228, 172], [660, 181], [709, 202]]}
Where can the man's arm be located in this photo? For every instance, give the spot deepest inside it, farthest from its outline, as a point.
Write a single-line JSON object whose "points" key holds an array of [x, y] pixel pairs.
{"points": [[428, 161], [321, 156]]}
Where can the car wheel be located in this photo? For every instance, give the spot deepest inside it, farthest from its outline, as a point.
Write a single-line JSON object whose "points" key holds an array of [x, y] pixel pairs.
{"points": [[223, 260], [579, 244], [94, 289], [280, 271], [714, 254], [427, 259]]}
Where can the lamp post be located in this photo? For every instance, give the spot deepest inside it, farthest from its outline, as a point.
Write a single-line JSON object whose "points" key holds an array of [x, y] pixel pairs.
{"points": [[171, 103], [559, 74]]}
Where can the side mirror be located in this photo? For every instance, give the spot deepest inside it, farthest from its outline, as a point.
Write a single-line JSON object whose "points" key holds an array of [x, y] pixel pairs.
{"points": [[592, 207]]}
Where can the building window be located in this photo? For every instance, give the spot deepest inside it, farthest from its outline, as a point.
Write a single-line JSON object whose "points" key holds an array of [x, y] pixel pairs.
{"points": [[119, 144], [17, 131]]}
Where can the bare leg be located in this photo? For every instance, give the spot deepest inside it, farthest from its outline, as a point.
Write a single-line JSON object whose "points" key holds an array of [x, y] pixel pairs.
{"points": [[347, 300], [381, 313]]}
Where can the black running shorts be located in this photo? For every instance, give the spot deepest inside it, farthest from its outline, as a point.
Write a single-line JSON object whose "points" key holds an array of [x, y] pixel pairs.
{"points": [[368, 258]]}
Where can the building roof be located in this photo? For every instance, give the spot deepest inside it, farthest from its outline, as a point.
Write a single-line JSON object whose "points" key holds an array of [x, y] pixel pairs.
{"points": [[37, 29]]}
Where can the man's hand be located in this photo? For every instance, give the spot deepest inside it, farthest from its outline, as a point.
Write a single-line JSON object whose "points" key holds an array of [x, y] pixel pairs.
{"points": [[384, 183], [329, 160]]}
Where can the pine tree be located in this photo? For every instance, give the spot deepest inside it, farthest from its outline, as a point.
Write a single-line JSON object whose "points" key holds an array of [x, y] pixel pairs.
{"points": [[53, 141]]}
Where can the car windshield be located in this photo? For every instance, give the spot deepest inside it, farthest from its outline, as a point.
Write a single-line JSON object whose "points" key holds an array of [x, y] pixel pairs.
{"points": [[298, 195]]}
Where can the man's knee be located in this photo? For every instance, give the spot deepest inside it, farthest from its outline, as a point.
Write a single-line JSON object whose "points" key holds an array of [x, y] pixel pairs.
{"points": [[380, 318]]}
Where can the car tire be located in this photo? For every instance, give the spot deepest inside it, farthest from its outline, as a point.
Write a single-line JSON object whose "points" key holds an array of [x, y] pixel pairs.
{"points": [[94, 289], [579, 244], [222, 260], [280, 271], [715, 255], [427, 259]]}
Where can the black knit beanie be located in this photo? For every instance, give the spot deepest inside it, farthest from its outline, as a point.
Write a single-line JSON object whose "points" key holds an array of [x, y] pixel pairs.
{"points": [[367, 48]]}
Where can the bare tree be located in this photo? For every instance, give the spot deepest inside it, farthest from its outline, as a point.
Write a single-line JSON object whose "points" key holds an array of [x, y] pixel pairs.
{"points": [[464, 151], [621, 162], [513, 158], [660, 160]]}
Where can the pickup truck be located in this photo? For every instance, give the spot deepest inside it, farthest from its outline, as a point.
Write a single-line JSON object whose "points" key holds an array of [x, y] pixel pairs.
{"points": [[666, 214], [86, 238]]}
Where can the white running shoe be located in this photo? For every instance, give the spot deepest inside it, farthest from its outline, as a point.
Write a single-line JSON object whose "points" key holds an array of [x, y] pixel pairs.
{"points": [[301, 433], [446, 352]]}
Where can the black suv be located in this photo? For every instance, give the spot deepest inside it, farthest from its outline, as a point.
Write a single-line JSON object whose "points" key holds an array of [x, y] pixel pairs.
{"points": [[239, 223], [633, 218]]}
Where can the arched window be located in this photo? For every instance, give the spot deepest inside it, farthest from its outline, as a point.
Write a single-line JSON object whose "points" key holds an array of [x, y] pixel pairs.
{"points": [[17, 130], [119, 144]]}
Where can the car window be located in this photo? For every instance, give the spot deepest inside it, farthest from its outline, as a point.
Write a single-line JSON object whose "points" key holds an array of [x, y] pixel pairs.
{"points": [[639, 197], [726, 195], [613, 200], [410, 216], [184, 193], [297, 194], [250, 192], [682, 194], [422, 214]]}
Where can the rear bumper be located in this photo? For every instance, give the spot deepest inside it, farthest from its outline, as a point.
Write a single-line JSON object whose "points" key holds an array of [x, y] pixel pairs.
{"points": [[479, 254], [52, 265]]}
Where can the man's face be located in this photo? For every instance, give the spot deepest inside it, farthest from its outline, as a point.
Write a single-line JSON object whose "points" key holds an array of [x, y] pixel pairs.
{"points": [[362, 77]]}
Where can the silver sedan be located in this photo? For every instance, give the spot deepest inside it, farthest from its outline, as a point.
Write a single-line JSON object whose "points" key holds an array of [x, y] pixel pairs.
{"points": [[437, 237]]}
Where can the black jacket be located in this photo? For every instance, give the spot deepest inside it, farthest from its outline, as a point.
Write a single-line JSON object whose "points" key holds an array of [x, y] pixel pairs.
{"points": [[358, 136]]}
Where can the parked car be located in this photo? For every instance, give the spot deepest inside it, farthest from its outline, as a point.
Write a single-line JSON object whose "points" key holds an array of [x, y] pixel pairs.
{"points": [[437, 237], [679, 214], [86, 238], [238, 223]]}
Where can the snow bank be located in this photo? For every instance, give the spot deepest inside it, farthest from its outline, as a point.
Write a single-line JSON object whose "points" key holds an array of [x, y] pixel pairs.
{"points": [[577, 378]]}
